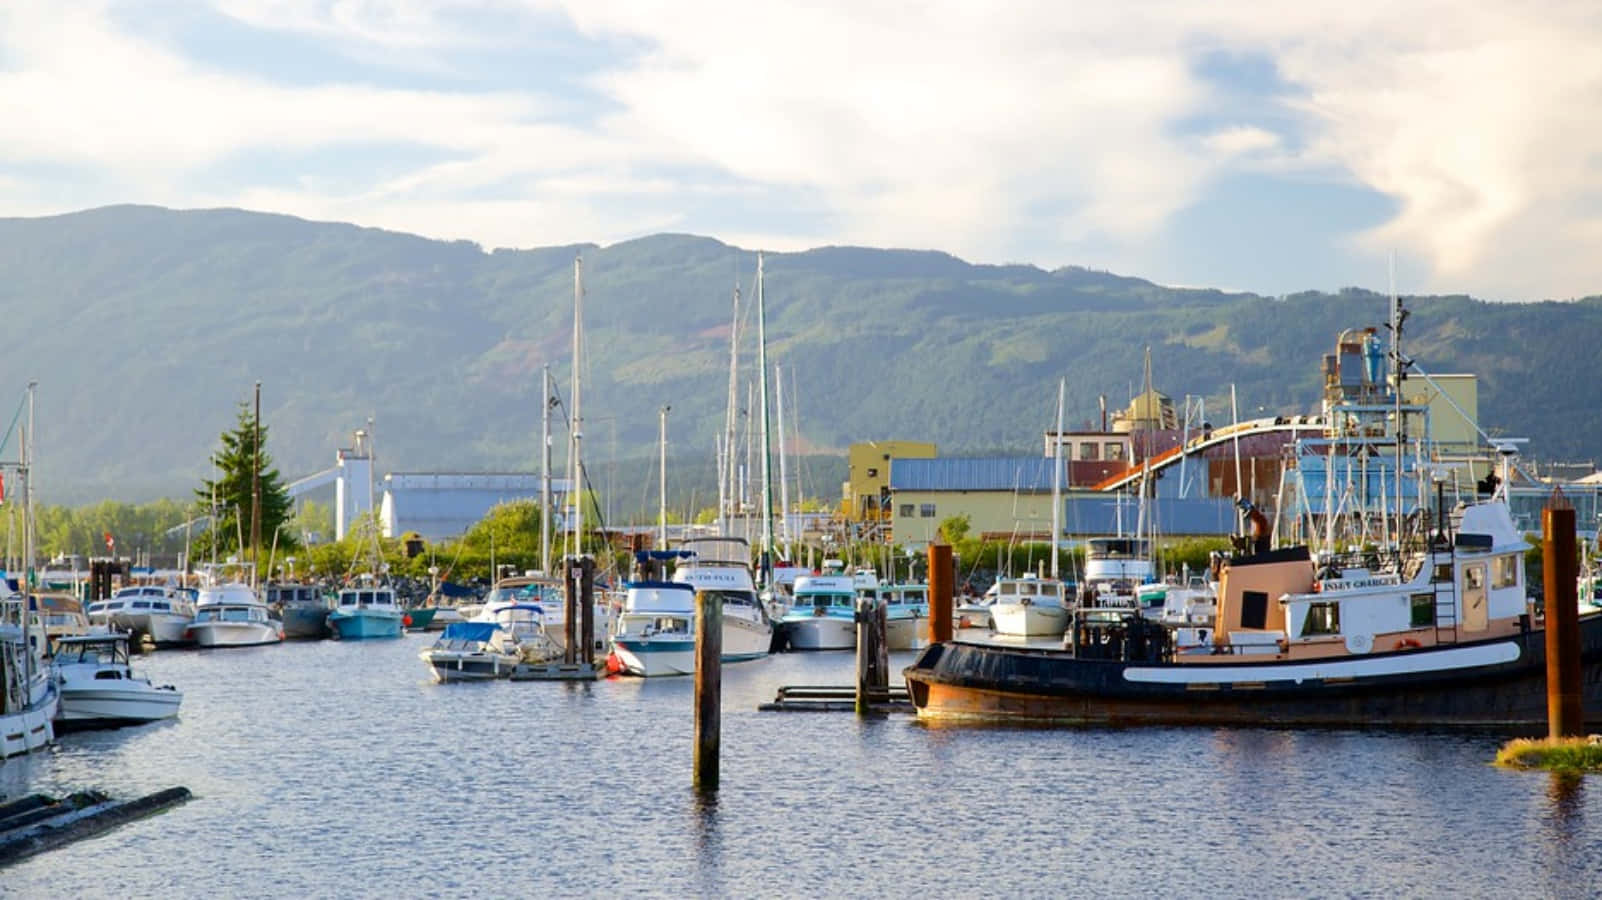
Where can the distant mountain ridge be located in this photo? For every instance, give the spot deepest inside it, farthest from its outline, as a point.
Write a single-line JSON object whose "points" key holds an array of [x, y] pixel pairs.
{"points": [[146, 326]]}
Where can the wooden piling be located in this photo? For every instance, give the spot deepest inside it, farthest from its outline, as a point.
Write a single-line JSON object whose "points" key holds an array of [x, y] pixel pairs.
{"points": [[570, 609], [942, 585], [587, 609], [708, 688], [1559, 565]]}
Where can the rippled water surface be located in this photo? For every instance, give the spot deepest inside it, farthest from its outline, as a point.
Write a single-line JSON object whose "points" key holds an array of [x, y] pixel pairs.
{"points": [[339, 769]]}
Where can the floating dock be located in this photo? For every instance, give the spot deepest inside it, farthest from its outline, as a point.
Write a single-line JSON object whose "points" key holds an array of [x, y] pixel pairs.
{"points": [[836, 698], [36, 823], [557, 671]]}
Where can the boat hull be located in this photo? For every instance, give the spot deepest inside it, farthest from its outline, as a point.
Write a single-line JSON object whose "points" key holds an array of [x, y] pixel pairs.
{"points": [[821, 633], [422, 618], [235, 634], [1029, 620], [364, 624], [453, 666], [1495, 684], [305, 622], [114, 707], [165, 629], [658, 655], [906, 632], [28, 729]]}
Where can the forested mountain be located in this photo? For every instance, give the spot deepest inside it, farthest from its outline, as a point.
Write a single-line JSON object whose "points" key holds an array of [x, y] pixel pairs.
{"points": [[146, 327]]}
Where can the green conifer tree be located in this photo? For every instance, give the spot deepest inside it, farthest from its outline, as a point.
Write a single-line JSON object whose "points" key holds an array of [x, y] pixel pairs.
{"points": [[235, 466]]}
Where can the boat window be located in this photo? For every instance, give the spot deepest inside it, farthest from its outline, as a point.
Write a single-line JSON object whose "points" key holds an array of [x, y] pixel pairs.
{"points": [[1473, 578], [1088, 449], [1026, 589], [671, 625], [1253, 609], [366, 597], [107, 675], [161, 605], [1115, 451], [141, 604], [151, 592], [1423, 610], [1051, 590], [346, 598], [1506, 572], [1322, 618], [1442, 573]]}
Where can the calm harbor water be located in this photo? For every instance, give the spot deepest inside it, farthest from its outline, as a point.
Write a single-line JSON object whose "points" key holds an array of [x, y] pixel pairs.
{"points": [[339, 769]]}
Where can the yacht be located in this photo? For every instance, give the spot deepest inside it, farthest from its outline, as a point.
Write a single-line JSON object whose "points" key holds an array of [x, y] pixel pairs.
{"points": [[1030, 607], [303, 608], [227, 614], [655, 634], [160, 612], [99, 690], [366, 611], [472, 651], [28, 695]]}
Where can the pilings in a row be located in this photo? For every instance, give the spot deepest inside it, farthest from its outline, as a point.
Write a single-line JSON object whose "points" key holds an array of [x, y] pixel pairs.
{"points": [[1564, 708], [708, 689]]}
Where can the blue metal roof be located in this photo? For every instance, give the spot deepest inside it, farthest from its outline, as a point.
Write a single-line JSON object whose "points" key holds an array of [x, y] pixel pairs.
{"points": [[1086, 516], [991, 473]]}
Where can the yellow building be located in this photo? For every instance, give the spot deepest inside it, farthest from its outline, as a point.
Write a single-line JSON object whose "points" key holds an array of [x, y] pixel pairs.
{"points": [[1450, 429], [867, 489], [1004, 498]]}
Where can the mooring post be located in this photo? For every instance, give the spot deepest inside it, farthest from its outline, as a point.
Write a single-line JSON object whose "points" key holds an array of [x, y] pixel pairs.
{"points": [[708, 688], [881, 654], [1564, 710], [942, 583], [867, 656], [587, 609], [570, 608]]}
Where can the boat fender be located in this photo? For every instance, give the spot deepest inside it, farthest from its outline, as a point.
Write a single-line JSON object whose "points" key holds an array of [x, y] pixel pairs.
{"points": [[1408, 643]]}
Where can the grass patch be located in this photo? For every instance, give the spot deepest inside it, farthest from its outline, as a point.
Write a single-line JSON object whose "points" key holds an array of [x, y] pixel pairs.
{"points": [[1576, 755]]}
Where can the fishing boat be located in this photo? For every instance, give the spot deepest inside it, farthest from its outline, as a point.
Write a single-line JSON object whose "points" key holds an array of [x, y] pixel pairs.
{"points": [[472, 651], [655, 633], [161, 613], [303, 608], [1029, 607], [28, 695], [1448, 639], [823, 614], [906, 615], [228, 614], [366, 611], [100, 690]]}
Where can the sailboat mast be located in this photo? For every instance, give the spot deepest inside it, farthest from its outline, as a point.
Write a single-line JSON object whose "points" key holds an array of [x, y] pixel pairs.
{"points": [[784, 484], [255, 493], [1056, 478], [573, 459], [26, 453], [661, 510], [727, 477], [545, 470], [767, 462], [1401, 427]]}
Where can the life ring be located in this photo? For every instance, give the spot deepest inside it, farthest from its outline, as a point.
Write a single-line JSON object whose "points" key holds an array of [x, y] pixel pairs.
{"points": [[1408, 644]]}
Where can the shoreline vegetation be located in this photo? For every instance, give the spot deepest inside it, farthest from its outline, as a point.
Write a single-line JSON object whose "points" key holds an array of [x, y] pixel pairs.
{"points": [[1570, 755]]}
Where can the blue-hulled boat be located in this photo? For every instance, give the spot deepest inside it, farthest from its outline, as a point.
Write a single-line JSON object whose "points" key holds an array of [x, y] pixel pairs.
{"points": [[823, 614], [366, 612]]}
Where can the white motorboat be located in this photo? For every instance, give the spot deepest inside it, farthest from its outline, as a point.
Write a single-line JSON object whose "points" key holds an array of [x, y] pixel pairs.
{"points": [[57, 615], [161, 612], [906, 616], [655, 634], [823, 614], [99, 690], [541, 599], [28, 695], [229, 615], [720, 564], [1030, 607], [472, 651]]}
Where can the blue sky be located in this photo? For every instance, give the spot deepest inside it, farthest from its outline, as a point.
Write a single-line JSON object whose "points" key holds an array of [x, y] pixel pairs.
{"points": [[1214, 144]]}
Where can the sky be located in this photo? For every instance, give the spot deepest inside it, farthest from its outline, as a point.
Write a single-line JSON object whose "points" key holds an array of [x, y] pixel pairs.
{"points": [[1232, 144]]}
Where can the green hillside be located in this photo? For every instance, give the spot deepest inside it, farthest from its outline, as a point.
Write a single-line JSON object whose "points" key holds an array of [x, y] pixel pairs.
{"points": [[145, 327]]}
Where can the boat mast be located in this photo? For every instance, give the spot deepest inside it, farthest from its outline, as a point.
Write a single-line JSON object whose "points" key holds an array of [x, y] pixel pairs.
{"points": [[1397, 315], [661, 510], [726, 471], [255, 494], [1056, 478], [26, 453], [545, 470], [767, 467], [573, 459], [784, 484]]}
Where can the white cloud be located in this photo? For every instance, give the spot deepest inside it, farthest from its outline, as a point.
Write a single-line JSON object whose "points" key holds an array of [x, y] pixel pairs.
{"points": [[999, 132]]}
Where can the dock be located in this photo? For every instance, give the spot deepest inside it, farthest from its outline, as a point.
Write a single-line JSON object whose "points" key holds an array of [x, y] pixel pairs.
{"points": [[557, 671], [37, 823], [836, 698]]}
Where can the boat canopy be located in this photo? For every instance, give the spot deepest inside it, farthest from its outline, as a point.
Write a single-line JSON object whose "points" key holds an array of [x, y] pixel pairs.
{"points": [[469, 631]]}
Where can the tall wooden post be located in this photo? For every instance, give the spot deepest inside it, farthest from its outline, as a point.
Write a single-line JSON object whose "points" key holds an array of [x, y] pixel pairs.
{"points": [[867, 656], [1564, 710], [570, 609], [708, 688], [587, 609], [942, 585]]}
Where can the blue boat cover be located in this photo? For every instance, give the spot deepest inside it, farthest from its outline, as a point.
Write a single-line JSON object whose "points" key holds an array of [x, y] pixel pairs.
{"points": [[469, 631], [643, 555], [452, 589]]}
